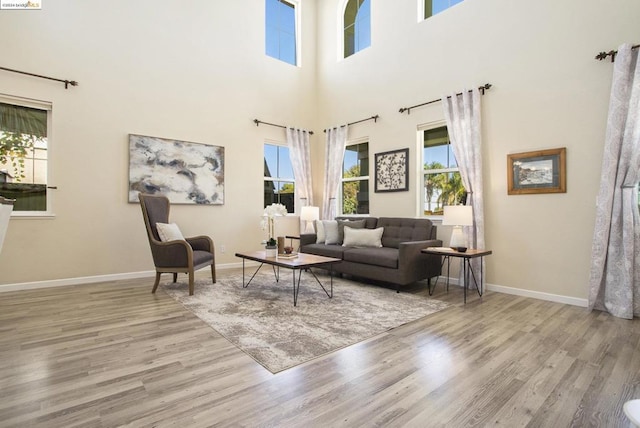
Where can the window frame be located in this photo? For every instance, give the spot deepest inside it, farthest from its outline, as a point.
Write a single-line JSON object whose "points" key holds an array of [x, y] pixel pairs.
{"points": [[266, 179], [343, 180], [297, 5], [341, 29], [422, 10], [48, 107], [422, 172]]}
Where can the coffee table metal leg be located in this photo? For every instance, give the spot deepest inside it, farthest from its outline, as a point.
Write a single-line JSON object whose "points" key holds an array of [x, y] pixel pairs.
{"points": [[252, 276], [296, 288], [324, 289]]}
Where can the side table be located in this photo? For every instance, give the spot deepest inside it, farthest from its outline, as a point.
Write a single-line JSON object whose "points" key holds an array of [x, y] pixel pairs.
{"points": [[467, 270]]}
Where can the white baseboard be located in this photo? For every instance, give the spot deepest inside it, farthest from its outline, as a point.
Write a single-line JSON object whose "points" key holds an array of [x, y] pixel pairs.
{"points": [[151, 273], [574, 301], [93, 279]]}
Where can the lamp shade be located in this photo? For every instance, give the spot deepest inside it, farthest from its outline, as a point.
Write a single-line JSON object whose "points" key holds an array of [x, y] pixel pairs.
{"points": [[310, 213], [458, 215]]}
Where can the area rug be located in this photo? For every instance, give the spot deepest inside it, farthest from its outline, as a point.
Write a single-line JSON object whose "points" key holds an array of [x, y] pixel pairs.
{"points": [[262, 321]]}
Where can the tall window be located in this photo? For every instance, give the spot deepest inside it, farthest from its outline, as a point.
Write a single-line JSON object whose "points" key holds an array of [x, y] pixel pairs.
{"points": [[355, 179], [442, 181], [280, 24], [24, 155], [432, 7], [279, 184], [357, 26]]}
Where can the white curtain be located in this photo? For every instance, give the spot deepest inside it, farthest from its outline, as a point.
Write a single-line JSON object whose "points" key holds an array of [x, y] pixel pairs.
{"points": [[334, 155], [614, 284], [300, 155], [462, 113]]}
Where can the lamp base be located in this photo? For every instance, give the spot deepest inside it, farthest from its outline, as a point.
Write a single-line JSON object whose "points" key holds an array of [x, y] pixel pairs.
{"points": [[309, 227], [457, 238]]}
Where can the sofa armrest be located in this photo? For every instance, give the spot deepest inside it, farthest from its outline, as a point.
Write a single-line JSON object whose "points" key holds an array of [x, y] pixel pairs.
{"points": [[411, 261], [307, 238]]}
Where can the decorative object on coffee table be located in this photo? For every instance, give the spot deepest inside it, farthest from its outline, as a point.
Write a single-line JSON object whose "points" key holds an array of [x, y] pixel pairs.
{"points": [[458, 216], [269, 224]]}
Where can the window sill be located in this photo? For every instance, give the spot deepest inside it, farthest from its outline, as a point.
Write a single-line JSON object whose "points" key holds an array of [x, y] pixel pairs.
{"points": [[25, 215]]}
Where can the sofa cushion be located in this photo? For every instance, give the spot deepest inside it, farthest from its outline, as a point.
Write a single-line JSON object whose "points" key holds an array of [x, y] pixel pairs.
{"points": [[319, 232], [386, 257], [354, 224], [325, 250], [369, 222], [397, 230], [362, 237], [331, 235]]}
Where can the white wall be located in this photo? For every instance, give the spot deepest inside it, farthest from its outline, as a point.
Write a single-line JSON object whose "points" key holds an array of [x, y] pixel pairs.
{"points": [[193, 71], [548, 92], [197, 71]]}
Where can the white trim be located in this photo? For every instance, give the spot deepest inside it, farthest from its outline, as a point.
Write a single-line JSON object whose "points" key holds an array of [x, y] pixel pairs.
{"points": [[21, 286], [557, 298]]}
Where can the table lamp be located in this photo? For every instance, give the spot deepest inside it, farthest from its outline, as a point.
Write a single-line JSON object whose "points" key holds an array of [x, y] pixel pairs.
{"points": [[309, 215], [458, 216]]}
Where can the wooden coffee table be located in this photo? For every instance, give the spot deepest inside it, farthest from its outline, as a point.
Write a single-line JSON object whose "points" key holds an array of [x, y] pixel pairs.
{"points": [[301, 262]]}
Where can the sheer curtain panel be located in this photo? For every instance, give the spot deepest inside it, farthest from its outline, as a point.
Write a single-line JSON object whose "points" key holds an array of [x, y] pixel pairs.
{"points": [[462, 113], [614, 283], [334, 155], [300, 155]]}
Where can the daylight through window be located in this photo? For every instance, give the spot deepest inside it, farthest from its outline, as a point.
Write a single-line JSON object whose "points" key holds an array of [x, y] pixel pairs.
{"points": [[355, 179], [279, 184], [23, 156], [357, 26], [432, 7], [280, 24]]}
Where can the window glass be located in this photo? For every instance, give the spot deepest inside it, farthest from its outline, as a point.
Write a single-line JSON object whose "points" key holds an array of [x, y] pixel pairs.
{"points": [[280, 25], [355, 179], [279, 184], [432, 7], [357, 26], [23, 156], [441, 179]]}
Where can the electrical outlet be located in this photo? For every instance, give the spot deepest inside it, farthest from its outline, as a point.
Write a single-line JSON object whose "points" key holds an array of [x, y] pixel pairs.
{"points": [[223, 248]]}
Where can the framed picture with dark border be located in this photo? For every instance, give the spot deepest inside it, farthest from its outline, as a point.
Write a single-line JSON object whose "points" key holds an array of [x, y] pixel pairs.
{"points": [[392, 172], [542, 171]]}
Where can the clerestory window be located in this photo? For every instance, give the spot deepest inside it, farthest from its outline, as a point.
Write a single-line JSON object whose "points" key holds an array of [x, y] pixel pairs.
{"points": [[433, 7], [281, 34], [357, 26]]}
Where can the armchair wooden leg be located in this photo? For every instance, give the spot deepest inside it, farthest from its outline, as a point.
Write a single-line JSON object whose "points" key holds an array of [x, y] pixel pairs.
{"points": [[155, 285], [175, 277], [213, 272], [191, 282]]}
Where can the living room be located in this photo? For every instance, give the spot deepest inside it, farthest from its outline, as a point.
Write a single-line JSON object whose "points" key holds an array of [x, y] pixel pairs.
{"points": [[197, 71]]}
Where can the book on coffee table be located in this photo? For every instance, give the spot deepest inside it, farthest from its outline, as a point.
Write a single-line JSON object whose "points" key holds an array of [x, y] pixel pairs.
{"points": [[288, 256]]}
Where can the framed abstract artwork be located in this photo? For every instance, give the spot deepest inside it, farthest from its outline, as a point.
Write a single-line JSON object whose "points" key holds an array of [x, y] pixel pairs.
{"points": [[184, 172], [542, 171], [392, 173]]}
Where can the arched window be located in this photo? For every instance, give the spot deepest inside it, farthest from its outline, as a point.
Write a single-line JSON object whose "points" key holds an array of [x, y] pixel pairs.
{"points": [[432, 7], [357, 26]]}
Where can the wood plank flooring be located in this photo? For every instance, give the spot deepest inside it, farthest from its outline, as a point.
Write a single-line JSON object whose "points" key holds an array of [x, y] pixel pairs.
{"points": [[113, 354]]}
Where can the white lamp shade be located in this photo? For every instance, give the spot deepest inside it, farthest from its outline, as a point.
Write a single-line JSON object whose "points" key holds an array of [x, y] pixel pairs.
{"points": [[458, 215], [310, 213]]}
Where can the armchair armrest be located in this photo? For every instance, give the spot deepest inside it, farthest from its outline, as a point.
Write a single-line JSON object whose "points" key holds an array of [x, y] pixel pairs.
{"points": [[172, 253], [201, 243]]}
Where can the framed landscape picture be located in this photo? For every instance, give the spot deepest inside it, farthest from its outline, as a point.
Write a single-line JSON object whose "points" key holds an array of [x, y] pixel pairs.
{"points": [[392, 173], [184, 172], [541, 171]]}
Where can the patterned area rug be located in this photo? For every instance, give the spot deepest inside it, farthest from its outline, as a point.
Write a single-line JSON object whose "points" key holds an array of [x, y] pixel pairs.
{"points": [[262, 321]]}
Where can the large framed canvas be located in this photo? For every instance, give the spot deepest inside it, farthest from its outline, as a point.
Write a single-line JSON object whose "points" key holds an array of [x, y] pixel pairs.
{"points": [[392, 173], [542, 171], [186, 173]]}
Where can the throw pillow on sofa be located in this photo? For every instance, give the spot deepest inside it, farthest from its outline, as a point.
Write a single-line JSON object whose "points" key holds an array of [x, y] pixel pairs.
{"points": [[331, 235], [319, 232], [354, 224], [363, 237]]}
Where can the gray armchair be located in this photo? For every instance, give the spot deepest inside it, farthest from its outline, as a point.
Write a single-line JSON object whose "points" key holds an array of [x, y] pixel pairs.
{"points": [[174, 256]]}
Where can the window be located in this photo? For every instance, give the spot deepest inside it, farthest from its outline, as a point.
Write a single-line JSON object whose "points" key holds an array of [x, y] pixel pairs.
{"points": [[432, 7], [279, 184], [355, 179], [280, 36], [24, 148], [442, 181], [357, 26]]}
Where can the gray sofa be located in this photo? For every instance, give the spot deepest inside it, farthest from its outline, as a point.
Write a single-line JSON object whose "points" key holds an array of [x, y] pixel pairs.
{"points": [[399, 260]]}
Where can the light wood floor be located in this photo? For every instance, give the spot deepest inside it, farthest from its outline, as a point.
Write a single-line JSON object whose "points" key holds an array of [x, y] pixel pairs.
{"points": [[113, 354]]}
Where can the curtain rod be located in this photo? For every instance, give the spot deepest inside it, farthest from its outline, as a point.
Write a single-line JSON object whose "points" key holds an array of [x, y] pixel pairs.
{"points": [[374, 118], [258, 122], [408, 109], [66, 82], [612, 54]]}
